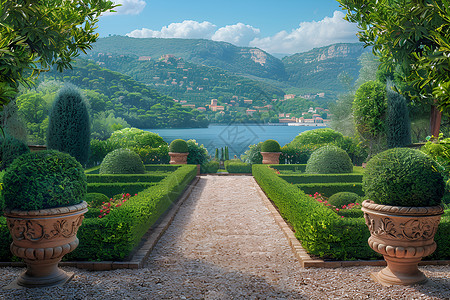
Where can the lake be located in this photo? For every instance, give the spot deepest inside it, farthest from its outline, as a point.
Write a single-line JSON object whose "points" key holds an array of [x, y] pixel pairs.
{"points": [[236, 137]]}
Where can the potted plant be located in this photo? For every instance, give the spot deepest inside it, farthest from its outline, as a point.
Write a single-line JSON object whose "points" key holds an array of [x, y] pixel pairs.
{"points": [[43, 195], [270, 151], [404, 188], [178, 151]]}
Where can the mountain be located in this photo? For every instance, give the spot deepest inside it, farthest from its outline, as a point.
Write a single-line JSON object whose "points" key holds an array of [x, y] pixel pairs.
{"points": [[238, 60], [317, 70]]}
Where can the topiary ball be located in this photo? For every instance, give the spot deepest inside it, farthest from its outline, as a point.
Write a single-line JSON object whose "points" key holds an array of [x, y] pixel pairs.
{"points": [[403, 177], [343, 198], [329, 160], [122, 161], [178, 146], [270, 146], [44, 179]]}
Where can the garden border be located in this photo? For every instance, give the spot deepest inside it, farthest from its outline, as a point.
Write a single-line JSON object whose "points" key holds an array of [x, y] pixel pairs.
{"points": [[139, 257], [305, 259]]}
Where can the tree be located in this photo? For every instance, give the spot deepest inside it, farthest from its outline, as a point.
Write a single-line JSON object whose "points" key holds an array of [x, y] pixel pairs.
{"points": [[412, 35], [36, 34], [69, 126], [398, 124]]}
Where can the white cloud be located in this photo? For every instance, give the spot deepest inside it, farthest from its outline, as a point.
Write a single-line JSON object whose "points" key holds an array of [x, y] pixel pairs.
{"points": [[188, 29], [309, 35], [238, 34], [128, 7]]}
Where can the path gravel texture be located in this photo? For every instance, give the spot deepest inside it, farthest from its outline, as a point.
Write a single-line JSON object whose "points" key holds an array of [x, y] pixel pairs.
{"points": [[224, 244]]}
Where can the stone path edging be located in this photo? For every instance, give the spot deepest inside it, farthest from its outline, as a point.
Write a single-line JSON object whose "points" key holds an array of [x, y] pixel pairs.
{"points": [[306, 260]]}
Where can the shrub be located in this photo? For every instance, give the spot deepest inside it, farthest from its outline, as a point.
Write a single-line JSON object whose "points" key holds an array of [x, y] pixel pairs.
{"points": [[44, 179], [96, 199], [298, 154], [178, 146], [398, 124], [198, 154], [403, 177], [134, 137], [343, 198], [122, 161], [270, 146], [69, 126], [253, 154], [316, 136], [210, 167], [11, 148], [237, 166], [329, 160]]}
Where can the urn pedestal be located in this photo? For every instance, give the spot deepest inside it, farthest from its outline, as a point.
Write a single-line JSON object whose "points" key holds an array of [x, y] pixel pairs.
{"points": [[41, 238], [403, 235], [271, 158], [178, 158]]}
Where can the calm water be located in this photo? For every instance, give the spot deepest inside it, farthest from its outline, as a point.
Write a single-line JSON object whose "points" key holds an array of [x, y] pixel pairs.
{"points": [[236, 137]]}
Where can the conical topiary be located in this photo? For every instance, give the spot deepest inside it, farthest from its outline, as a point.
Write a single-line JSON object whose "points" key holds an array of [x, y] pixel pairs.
{"points": [[69, 127], [398, 124]]}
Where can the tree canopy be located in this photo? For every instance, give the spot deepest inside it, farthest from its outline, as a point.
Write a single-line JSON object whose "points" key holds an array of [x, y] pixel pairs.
{"points": [[36, 34]]}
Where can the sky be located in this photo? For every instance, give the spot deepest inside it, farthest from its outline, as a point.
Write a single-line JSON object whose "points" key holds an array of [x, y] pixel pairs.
{"points": [[283, 26]]}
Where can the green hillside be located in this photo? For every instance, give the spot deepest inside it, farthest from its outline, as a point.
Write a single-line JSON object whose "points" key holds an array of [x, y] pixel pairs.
{"points": [[239, 60]]}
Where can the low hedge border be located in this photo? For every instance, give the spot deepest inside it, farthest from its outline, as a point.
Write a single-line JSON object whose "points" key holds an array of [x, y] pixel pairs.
{"points": [[132, 178], [237, 166], [322, 232], [292, 167], [322, 178], [111, 189], [149, 168], [329, 189]]}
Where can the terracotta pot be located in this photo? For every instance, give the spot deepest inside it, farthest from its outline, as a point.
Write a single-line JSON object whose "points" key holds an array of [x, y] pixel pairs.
{"points": [[41, 238], [403, 235], [178, 158], [271, 158]]}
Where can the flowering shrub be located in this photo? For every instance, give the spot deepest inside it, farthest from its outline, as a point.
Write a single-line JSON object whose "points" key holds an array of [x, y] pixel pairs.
{"points": [[113, 203], [341, 211]]}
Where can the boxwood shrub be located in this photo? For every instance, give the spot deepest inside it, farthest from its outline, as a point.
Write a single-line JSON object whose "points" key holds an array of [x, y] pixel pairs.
{"points": [[237, 166], [122, 161], [210, 167], [329, 160], [112, 178], [111, 189], [328, 189]]}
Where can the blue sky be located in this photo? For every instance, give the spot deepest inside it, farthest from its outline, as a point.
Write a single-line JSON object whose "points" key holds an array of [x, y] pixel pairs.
{"points": [[283, 26]]}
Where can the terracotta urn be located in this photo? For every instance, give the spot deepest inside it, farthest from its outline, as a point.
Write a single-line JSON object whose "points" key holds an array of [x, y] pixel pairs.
{"points": [[271, 158], [178, 158], [41, 238], [403, 235]]}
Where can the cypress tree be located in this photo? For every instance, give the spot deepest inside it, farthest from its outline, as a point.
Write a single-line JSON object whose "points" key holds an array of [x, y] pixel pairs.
{"points": [[216, 157], [398, 125], [222, 154], [69, 127], [227, 155]]}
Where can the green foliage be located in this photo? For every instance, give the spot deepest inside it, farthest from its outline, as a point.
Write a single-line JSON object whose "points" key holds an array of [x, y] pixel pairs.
{"points": [[104, 124], [116, 235], [44, 179], [237, 166], [111, 189], [178, 146], [343, 198], [69, 126], [122, 161], [316, 136], [96, 199], [210, 167], [216, 156], [403, 177], [398, 124], [329, 189], [10, 149], [152, 176], [320, 178], [297, 154], [198, 154], [227, 154], [270, 146], [329, 160], [354, 148], [253, 154], [36, 35], [134, 137]]}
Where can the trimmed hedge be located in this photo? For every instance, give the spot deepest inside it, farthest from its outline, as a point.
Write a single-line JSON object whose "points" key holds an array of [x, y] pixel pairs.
{"points": [[111, 189], [329, 160], [210, 167], [132, 178], [122, 161], [162, 168], [115, 236], [328, 189], [237, 166], [321, 231], [322, 178], [291, 167]]}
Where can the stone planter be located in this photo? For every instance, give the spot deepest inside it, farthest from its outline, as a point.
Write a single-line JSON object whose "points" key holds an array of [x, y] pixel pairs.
{"points": [[271, 158], [178, 158], [41, 238], [403, 235]]}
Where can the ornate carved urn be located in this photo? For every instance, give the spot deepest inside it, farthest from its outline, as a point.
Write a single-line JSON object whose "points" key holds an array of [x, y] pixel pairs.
{"points": [[178, 158], [271, 158], [41, 238], [403, 235]]}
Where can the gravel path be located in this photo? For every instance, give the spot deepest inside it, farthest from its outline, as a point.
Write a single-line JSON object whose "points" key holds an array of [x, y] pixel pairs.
{"points": [[224, 244]]}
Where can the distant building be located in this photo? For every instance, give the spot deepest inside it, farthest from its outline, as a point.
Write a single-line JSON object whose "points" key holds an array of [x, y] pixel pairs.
{"points": [[183, 101], [188, 105], [144, 58], [248, 101], [213, 102], [250, 112], [216, 108], [291, 120], [289, 96], [201, 108]]}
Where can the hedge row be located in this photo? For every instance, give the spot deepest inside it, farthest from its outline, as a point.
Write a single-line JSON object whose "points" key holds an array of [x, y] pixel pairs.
{"points": [[322, 178], [148, 168], [113, 178], [111, 189], [237, 166], [329, 189], [321, 231], [293, 167]]}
